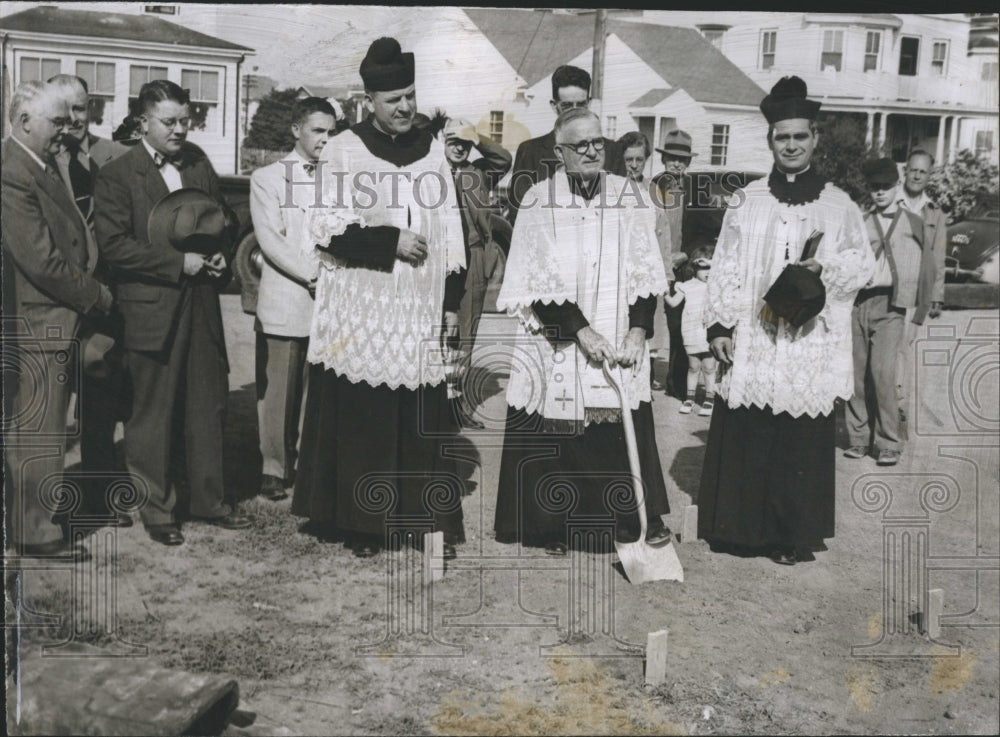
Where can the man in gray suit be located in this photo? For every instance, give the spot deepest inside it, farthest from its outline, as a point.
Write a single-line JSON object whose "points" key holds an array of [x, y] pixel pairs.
{"points": [[50, 256], [278, 206]]}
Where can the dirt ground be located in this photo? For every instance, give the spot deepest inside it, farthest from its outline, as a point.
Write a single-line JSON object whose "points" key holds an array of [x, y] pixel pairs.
{"points": [[512, 642]]}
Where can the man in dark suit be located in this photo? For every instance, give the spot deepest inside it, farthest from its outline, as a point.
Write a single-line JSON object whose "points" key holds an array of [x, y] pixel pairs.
{"points": [[50, 257], [535, 159], [175, 347], [104, 387], [474, 181]]}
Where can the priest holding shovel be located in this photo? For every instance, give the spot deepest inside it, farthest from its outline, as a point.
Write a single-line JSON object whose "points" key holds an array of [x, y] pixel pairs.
{"points": [[583, 275]]}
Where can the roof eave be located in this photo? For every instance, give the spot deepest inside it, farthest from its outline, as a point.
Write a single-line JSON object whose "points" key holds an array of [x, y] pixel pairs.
{"points": [[127, 43]]}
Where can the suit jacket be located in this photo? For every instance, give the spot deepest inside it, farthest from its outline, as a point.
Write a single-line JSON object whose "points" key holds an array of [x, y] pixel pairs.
{"points": [[935, 233], [149, 279], [284, 305], [536, 160], [45, 242]]}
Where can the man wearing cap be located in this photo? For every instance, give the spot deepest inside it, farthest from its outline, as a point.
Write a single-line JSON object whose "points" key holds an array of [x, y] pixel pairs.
{"points": [[392, 257], [278, 206], [474, 182], [167, 290], [768, 481], [102, 397], [902, 258], [536, 159], [673, 193], [49, 257]]}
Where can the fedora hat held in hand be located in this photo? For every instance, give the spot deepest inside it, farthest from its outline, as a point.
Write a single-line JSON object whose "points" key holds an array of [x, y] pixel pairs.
{"points": [[189, 220]]}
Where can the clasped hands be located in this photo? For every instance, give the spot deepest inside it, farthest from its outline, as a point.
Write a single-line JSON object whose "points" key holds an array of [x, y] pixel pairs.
{"points": [[598, 349], [195, 262]]}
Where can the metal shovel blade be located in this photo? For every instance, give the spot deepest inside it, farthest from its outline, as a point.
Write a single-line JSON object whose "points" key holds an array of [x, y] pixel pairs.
{"points": [[641, 561]]}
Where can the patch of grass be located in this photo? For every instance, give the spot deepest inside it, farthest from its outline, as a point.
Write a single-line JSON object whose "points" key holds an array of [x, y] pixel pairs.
{"points": [[246, 653]]}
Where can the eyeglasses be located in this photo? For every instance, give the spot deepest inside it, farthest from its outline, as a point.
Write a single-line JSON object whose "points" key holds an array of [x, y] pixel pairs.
{"points": [[581, 147], [564, 105], [172, 123]]}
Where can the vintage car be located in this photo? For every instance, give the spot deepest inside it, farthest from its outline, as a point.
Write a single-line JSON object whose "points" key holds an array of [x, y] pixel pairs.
{"points": [[973, 253], [249, 259]]}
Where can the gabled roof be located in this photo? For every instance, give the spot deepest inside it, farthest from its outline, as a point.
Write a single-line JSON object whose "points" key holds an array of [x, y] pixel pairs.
{"points": [[535, 42], [120, 26], [326, 91], [652, 98]]}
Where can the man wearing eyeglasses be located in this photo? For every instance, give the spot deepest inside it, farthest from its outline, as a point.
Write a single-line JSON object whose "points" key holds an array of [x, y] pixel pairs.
{"points": [[536, 159], [583, 276], [175, 345], [49, 258]]}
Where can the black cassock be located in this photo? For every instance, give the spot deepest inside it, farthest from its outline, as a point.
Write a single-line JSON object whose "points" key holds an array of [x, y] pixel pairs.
{"points": [[552, 482]]}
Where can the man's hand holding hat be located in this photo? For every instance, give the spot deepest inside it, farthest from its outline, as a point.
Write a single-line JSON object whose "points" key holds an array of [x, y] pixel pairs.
{"points": [[216, 265]]}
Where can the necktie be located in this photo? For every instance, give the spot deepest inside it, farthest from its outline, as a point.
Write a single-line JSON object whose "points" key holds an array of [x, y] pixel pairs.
{"points": [[160, 160], [81, 179]]}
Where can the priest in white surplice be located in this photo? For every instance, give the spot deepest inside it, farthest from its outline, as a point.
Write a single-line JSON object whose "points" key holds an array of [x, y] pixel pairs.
{"points": [[392, 274], [583, 275], [768, 481]]}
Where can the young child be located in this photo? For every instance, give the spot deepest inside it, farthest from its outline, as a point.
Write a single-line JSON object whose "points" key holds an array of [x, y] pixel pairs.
{"points": [[701, 363]]}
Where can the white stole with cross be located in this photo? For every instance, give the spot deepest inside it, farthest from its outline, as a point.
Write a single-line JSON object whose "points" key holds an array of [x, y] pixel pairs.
{"points": [[596, 232]]}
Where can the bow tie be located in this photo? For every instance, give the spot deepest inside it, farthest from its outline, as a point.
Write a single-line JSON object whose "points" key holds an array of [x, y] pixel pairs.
{"points": [[309, 167], [159, 159]]}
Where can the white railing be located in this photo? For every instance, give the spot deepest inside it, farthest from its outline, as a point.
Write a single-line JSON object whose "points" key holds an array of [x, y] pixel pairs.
{"points": [[889, 87]]}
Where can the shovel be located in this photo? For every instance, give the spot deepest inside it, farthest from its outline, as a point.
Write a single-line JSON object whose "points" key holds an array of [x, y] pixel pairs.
{"points": [[641, 561]]}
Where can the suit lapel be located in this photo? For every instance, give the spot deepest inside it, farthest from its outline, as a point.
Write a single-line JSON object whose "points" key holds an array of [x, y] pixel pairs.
{"points": [[55, 188], [53, 184], [156, 188]]}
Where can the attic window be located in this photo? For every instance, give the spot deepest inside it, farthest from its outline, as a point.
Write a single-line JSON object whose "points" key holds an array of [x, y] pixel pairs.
{"points": [[161, 9]]}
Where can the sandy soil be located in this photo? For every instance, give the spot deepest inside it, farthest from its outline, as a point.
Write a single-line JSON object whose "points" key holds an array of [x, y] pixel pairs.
{"points": [[513, 642]]}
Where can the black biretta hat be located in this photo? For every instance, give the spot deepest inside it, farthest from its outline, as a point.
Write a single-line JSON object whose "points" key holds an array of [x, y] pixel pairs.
{"points": [[787, 99], [385, 66]]}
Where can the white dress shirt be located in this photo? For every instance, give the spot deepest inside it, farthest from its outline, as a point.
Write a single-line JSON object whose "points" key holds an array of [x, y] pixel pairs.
{"points": [[170, 173]]}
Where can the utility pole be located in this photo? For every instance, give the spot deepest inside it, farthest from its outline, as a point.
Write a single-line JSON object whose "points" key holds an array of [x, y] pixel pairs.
{"points": [[597, 83]]}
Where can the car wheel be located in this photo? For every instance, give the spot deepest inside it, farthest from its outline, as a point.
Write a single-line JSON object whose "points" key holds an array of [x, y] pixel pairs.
{"points": [[248, 265]]}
